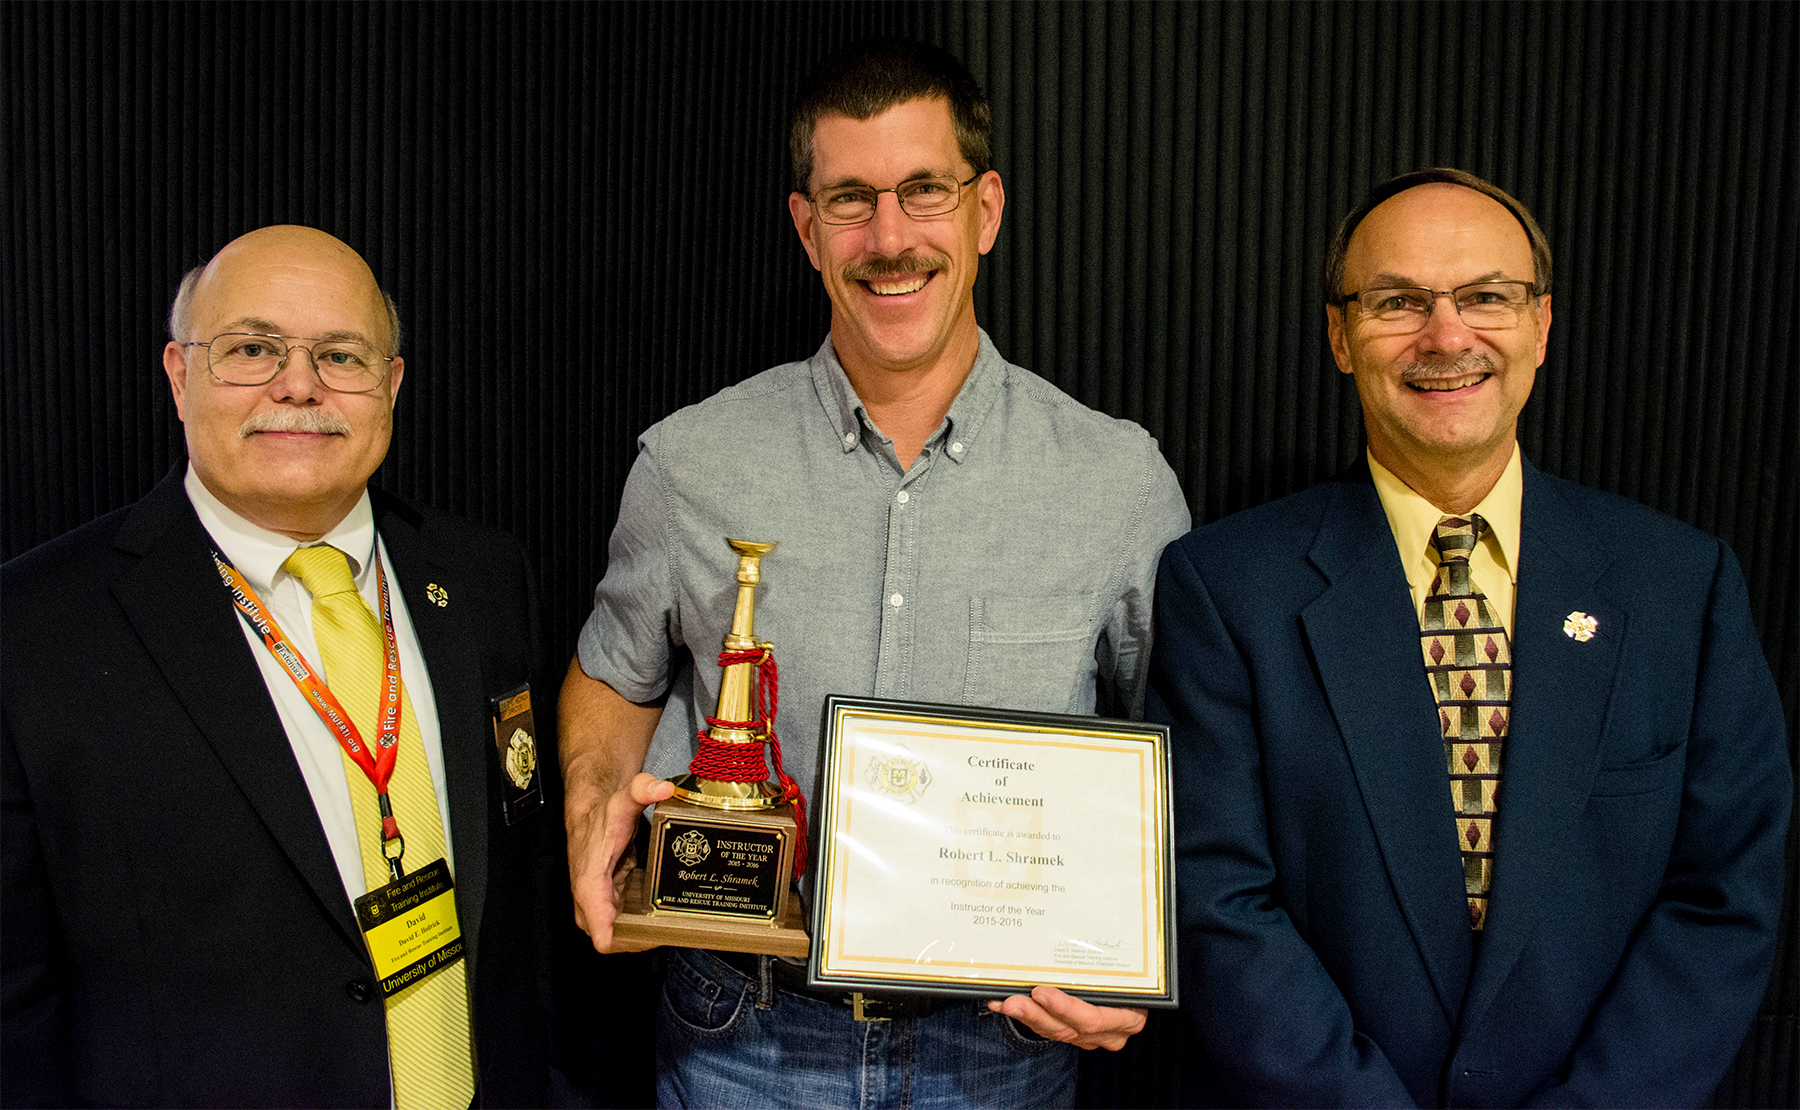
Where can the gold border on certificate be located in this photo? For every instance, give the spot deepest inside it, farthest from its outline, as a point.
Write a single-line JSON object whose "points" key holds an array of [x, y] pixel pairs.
{"points": [[971, 851]]}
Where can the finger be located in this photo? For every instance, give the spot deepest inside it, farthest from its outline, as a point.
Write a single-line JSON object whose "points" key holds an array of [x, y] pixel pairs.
{"points": [[646, 789], [1022, 1009], [611, 856], [597, 843], [1066, 1007], [594, 914], [600, 875], [1052, 1014], [1088, 1017], [1080, 1015], [590, 903]]}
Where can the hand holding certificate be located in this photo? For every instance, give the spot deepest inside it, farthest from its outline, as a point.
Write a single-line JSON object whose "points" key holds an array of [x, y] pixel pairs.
{"points": [[968, 851]]}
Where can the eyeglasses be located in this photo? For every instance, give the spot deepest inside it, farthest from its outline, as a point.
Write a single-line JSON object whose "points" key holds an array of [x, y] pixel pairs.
{"points": [[922, 196], [1488, 305], [346, 365]]}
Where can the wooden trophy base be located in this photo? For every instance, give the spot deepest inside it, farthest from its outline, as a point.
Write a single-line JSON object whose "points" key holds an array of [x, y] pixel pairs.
{"points": [[641, 925]]}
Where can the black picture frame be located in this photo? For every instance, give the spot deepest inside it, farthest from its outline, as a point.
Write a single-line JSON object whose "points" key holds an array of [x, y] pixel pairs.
{"points": [[1069, 739]]}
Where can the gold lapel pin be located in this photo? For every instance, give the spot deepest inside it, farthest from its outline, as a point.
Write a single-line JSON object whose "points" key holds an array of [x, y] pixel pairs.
{"points": [[440, 597], [1577, 626]]}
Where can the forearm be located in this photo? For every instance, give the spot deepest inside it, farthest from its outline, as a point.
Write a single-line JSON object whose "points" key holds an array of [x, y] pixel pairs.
{"points": [[603, 739]]}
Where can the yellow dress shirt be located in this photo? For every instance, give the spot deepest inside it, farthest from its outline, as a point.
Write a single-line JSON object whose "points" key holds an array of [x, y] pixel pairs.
{"points": [[1495, 561]]}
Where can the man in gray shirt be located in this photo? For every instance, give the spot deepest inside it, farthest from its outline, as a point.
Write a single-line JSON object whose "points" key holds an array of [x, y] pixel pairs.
{"points": [[952, 528]]}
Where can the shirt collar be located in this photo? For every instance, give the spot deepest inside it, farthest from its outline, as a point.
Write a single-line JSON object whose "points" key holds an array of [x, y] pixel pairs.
{"points": [[1413, 519], [258, 553], [961, 424]]}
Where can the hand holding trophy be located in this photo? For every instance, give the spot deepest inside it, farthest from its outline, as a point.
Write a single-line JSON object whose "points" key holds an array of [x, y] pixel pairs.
{"points": [[725, 848]]}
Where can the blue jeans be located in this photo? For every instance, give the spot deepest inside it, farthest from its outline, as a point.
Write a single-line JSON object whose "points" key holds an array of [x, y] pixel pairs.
{"points": [[718, 1044]]}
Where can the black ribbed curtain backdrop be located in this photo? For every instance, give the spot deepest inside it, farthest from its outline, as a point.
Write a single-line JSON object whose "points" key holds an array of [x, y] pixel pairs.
{"points": [[581, 211]]}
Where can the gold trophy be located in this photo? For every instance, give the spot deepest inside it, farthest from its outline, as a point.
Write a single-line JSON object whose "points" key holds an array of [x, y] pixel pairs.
{"points": [[723, 849]]}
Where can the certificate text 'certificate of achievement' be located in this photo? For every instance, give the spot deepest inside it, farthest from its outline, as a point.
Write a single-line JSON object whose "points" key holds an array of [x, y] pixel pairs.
{"points": [[985, 852]]}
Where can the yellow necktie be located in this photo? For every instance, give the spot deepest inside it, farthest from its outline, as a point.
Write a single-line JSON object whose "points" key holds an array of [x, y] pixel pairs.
{"points": [[428, 1023]]}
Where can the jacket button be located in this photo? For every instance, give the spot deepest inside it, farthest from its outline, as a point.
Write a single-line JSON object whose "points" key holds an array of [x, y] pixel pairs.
{"points": [[358, 990]]}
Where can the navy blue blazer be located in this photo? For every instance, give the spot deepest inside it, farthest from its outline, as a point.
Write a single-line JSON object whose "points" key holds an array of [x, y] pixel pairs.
{"points": [[175, 929], [1326, 957]]}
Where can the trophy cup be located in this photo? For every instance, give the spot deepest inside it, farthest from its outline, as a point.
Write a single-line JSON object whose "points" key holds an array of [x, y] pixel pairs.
{"points": [[723, 850]]}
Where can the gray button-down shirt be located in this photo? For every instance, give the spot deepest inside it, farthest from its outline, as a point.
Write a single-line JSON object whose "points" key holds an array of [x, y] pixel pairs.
{"points": [[1010, 566]]}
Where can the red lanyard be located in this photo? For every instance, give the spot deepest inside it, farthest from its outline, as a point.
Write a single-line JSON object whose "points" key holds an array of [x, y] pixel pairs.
{"points": [[379, 765]]}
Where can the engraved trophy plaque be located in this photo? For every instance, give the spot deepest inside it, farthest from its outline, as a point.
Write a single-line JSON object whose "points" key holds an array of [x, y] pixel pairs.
{"points": [[723, 850]]}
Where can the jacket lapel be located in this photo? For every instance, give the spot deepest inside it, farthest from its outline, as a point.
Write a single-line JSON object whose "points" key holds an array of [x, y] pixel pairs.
{"points": [[1365, 638], [447, 642], [1561, 690], [189, 628]]}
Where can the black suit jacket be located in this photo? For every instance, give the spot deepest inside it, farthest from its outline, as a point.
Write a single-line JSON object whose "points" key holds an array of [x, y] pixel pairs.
{"points": [[175, 929], [1326, 955]]}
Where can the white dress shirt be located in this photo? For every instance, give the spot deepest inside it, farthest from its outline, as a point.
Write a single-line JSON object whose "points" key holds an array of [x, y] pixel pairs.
{"points": [[258, 554]]}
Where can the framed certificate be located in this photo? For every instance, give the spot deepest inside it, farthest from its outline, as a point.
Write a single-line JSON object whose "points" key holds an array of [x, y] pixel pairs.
{"points": [[984, 852]]}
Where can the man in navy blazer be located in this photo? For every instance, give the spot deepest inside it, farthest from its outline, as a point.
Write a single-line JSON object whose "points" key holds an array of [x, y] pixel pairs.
{"points": [[1602, 935], [180, 851]]}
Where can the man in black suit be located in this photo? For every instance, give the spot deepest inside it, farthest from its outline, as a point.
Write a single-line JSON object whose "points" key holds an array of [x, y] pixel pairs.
{"points": [[1483, 776], [196, 842]]}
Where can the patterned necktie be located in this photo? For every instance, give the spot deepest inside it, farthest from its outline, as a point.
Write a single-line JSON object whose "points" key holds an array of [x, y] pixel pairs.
{"points": [[1469, 663], [428, 1023]]}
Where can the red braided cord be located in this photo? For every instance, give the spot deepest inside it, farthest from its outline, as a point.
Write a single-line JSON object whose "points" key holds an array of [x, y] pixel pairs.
{"points": [[726, 762], [741, 762]]}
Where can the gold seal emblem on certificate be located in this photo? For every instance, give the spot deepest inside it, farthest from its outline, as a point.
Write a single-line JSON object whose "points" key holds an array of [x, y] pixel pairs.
{"points": [[521, 758], [899, 777]]}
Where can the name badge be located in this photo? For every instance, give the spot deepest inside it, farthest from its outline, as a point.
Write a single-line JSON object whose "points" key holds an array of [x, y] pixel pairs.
{"points": [[515, 743], [410, 927]]}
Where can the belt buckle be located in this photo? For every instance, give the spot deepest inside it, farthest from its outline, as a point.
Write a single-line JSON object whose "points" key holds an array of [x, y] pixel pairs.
{"points": [[859, 1004]]}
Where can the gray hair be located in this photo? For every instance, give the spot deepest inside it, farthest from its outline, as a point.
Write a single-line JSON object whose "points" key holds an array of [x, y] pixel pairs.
{"points": [[184, 297]]}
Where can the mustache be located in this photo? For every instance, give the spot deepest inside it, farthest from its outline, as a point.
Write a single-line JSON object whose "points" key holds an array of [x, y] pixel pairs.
{"points": [[314, 421], [1469, 362], [906, 262]]}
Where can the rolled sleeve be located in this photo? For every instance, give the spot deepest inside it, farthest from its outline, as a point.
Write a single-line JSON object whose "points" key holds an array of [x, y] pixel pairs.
{"points": [[629, 639], [1124, 645]]}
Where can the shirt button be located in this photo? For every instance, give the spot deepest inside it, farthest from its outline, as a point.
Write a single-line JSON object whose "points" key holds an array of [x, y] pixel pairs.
{"points": [[896, 601], [903, 497], [849, 439], [359, 990], [956, 448]]}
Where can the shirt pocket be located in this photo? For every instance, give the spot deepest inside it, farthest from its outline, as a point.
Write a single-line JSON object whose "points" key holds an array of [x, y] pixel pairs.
{"points": [[1031, 653]]}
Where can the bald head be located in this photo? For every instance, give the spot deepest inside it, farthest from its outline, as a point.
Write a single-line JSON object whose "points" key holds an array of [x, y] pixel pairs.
{"points": [[1441, 394], [278, 238], [293, 453]]}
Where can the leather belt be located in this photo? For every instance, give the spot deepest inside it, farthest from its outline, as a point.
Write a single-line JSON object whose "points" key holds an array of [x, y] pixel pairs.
{"points": [[791, 977]]}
